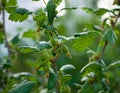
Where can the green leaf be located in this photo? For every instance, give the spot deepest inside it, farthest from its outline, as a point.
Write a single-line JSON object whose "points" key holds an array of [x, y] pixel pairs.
{"points": [[15, 40], [67, 67], [11, 3], [65, 89], [80, 34], [114, 65], [29, 34], [1, 37], [91, 67], [51, 13], [110, 36], [11, 9], [87, 87], [82, 40], [71, 8], [65, 78], [52, 79], [58, 2], [18, 14], [18, 17], [87, 10], [97, 28], [101, 11], [28, 49], [7, 65], [91, 87], [39, 17], [22, 74], [26, 42], [23, 11], [43, 45], [23, 87]]}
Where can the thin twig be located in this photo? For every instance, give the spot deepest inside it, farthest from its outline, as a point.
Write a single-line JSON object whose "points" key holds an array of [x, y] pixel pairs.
{"points": [[4, 30], [103, 50], [44, 2]]}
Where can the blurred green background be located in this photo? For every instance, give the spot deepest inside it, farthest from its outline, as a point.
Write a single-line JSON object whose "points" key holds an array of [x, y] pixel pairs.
{"points": [[71, 22]]}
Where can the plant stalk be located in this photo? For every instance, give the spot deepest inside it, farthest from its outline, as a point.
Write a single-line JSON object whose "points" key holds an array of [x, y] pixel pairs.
{"points": [[4, 29]]}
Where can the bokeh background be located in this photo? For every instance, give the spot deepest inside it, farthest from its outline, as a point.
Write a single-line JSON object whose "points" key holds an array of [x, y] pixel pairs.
{"points": [[68, 23]]}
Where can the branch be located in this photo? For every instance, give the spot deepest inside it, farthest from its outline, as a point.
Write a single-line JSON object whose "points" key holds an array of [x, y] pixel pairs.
{"points": [[4, 30], [103, 50]]}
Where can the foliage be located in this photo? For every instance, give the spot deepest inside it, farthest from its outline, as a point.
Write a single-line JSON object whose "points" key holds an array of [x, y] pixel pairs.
{"points": [[43, 49]]}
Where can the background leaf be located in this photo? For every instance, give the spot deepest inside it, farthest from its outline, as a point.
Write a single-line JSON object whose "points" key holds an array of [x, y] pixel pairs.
{"points": [[114, 65], [67, 67], [87, 10], [23, 87], [101, 11], [28, 49], [83, 41], [91, 67]]}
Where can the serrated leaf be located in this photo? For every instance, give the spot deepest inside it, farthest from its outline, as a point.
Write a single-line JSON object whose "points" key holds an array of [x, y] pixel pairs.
{"points": [[11, 9], [18, 14], [28, 49], [114, 65], [18, 17], [101, 11], [91, 67], [43, 45], [67, 67], [40, 17], [87, 10], [23, 87]]}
